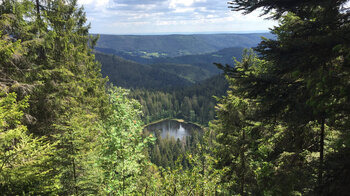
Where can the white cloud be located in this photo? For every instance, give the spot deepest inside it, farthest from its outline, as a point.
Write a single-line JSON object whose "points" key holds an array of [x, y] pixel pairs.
{"points": [[187, 3], [175, 16], [95, 3], [183, 10], [85, 2]]}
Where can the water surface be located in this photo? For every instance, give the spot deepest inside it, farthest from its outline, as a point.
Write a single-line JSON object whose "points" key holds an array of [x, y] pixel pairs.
{"points": [[172, 128]]}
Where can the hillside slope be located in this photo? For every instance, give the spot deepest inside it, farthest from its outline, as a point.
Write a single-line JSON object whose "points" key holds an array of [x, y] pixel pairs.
{"points": [[165, 72], [155, 46], [206, 61], [129, 74]]}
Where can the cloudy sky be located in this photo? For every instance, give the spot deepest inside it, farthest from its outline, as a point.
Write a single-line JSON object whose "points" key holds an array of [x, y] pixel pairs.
{"points": [[169, 16]]}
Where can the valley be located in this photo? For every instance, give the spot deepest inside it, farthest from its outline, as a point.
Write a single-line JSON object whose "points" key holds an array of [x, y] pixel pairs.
{"points": [[174, 114], [172, 76]]}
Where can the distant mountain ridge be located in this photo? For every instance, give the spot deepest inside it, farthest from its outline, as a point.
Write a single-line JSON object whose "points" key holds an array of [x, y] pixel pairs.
{"points": [[129, 74], [165, 72], [175, 45], [169, 61]]}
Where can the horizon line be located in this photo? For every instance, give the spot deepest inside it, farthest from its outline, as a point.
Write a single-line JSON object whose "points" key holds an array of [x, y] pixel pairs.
{"points": [[189, 33]]}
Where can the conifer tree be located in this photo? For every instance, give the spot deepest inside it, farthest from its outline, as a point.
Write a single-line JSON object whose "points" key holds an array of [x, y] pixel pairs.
{"points": [[237, 133], [303, 86], [53, 62], [25, 160]]}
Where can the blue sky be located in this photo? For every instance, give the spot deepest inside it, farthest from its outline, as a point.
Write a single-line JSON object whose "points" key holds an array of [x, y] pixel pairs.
{"points": [[169, 16]]}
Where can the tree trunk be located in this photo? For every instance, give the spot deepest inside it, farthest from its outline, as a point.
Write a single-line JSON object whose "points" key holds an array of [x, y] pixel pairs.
{"points": [[203, 167], [320, 169], [38, 8], [75, 177], [243, 164]]}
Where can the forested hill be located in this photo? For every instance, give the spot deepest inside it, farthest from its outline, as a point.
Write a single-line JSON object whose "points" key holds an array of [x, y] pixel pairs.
{"points": [[129, 74], [166, 61], [167, 90], [282, 128], [206, 61], [194, 103], [164, 73], [176, 45]]}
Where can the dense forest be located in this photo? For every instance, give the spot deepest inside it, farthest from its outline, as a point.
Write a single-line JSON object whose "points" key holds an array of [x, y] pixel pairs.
{"points": [[130, 74], [170, 152], [164, 73], [194, 104], [281, 127]]}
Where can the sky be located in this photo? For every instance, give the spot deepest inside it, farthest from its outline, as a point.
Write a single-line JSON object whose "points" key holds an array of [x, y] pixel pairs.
{"points": [[169, 16]]}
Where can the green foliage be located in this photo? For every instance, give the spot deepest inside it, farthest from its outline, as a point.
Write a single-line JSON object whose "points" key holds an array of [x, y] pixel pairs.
{"points": [[200, 179], [237, 136], [129, 74], [25, 160], [204, 62], [194, 104], [48, 56], [297, 91], [282, 129], [260, 152], [164, 73], [185, 72], [122, 145], [164, 152]]}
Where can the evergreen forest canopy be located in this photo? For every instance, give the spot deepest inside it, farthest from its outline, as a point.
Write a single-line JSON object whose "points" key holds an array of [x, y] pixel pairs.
{"points": [[174, 75], [168, 60], [164, 73], [282, 128]]}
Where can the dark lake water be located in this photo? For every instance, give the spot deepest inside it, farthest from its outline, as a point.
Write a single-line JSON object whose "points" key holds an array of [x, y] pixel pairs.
{"points": [[172, 128]]}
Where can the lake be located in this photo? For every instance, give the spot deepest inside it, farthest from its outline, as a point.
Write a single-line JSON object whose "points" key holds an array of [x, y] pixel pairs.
{"points": [[173, 128]]}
